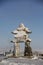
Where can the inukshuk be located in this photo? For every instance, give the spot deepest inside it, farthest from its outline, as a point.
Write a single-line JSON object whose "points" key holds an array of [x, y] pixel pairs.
{"points": [[21, 34]]}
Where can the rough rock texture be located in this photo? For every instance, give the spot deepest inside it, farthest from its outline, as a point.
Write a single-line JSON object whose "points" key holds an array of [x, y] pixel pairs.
{"points": [[28, 49]]}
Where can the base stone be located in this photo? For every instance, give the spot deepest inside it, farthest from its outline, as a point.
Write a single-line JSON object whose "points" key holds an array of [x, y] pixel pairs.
{"points": [[17, 50], [28, 50]]}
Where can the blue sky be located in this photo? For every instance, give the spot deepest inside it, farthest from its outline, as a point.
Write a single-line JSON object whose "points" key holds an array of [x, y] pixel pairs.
{"points": [[28, 12]]}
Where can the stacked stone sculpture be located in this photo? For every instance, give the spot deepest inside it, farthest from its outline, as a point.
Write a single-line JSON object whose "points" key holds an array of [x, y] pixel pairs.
{"points": [[21, 34]]}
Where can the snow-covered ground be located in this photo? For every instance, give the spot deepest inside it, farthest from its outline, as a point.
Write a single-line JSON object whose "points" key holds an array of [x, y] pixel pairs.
{"points": [[21, 61]]}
